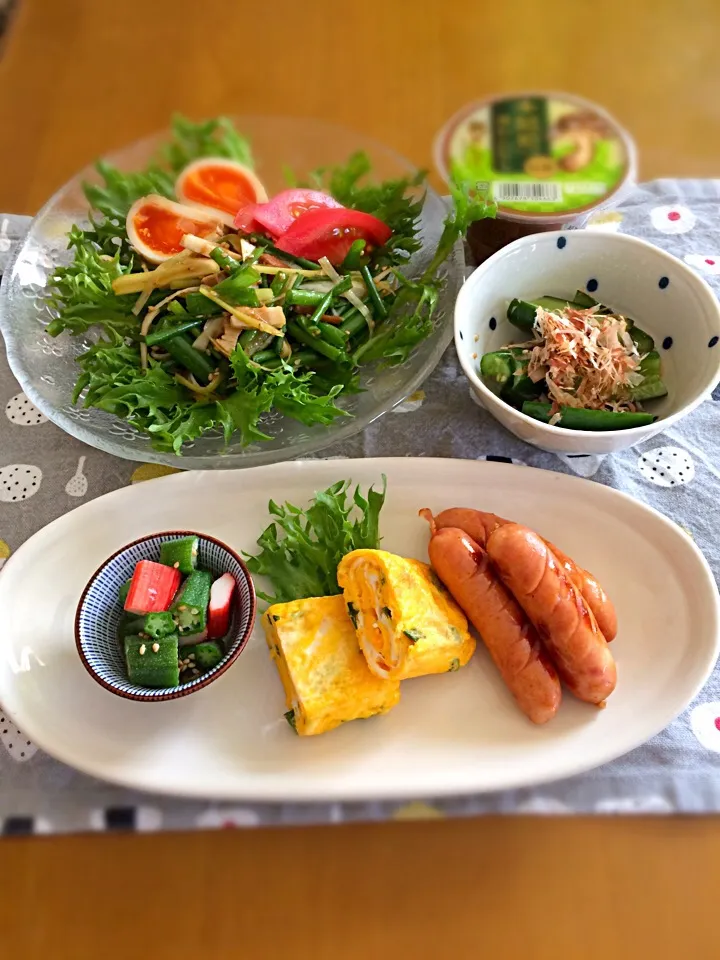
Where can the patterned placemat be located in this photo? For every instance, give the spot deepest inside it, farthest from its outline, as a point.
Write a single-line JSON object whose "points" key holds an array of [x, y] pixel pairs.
{"points": [[44, 473]]}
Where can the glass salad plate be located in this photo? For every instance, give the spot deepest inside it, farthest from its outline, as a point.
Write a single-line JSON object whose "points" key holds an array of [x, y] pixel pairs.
{"points": [[46, 367]]}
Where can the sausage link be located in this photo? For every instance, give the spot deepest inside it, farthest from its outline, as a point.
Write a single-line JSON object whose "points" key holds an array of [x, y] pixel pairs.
{"points": [[479, 525], [594, 596], [555, 606], [514, 645]]}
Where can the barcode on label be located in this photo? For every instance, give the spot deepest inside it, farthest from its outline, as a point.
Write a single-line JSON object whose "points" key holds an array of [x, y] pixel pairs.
{"points": [[515, 192]]}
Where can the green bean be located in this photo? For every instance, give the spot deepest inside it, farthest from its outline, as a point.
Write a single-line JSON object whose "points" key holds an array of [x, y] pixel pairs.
{"points": [[581, 419], [167, 333], [223, 260], [342, 286], [304, 298], [317, 343], [323, 330], [263, 356], [354, 323], [181, 349], [278, 284], [354, 258], [375, 299]]}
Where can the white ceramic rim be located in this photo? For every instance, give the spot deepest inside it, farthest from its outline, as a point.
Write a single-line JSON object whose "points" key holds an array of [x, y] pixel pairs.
{"points": [[464, 303], [387, 792]]}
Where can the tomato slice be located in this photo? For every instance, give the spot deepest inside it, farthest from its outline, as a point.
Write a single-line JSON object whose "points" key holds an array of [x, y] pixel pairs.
{"points": [[219, 186], [156, 225], [245, 220], [331, 233], [279, 214]]}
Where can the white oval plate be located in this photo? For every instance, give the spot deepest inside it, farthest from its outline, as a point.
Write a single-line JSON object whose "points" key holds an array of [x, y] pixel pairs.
{"points": [[453, 734]]}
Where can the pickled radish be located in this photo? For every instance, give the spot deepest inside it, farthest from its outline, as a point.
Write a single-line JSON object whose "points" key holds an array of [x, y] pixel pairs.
{"points": [[156, 225], [220, 187]]}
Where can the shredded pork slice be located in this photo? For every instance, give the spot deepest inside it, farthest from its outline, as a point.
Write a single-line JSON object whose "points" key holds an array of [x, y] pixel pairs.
{"points": [[587, 359]]}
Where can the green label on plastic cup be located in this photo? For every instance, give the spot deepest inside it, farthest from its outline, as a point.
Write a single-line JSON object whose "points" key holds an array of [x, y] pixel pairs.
{"points": [[541, 155]]}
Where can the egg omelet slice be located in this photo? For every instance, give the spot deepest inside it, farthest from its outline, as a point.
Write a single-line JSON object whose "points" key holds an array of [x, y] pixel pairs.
{"points": [[407, 623], [326, 679]]}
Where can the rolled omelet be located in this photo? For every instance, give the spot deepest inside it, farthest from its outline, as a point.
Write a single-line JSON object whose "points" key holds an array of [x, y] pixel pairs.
{"points": [[325, 676], [407, 624]]}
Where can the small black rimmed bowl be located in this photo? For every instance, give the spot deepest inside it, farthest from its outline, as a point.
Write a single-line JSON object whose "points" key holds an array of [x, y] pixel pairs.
{"points": [[97, 620]]}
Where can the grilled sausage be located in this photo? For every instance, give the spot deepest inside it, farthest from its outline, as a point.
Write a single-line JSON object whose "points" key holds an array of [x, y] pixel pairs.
{"points": [[594, 596], [556, 608], [513, 643], [479, 525]]}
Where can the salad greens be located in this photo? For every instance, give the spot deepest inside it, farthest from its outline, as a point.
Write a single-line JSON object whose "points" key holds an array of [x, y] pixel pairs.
{"points": [[303, 562], [176, 379]]}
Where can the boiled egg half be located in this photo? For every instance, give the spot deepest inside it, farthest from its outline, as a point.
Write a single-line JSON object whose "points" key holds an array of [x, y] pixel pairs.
{"points": [[155, 226], [219, 186]]}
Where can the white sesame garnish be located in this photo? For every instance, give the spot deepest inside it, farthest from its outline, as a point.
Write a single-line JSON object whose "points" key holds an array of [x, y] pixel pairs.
{"points": [[155, 647], [141, 651]]}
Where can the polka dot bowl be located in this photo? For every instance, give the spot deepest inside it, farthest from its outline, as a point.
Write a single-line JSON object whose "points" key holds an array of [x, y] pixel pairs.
{"points": [[97, 620], [665, 297]]}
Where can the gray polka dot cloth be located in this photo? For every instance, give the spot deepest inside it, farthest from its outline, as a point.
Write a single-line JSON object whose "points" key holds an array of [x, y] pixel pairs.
{"points": [[44, 473]]}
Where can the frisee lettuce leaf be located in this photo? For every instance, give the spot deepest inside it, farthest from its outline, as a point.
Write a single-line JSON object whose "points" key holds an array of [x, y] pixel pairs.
{"points": [[210, 138], [301, 549], [411, 320]]}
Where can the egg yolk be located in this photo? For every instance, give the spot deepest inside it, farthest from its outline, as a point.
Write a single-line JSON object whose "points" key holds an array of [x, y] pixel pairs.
{"points": [[162, 230], [220, 188]]}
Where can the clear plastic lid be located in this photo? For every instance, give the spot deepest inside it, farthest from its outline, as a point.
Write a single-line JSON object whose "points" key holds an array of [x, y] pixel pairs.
{"points": [[548, 157]]}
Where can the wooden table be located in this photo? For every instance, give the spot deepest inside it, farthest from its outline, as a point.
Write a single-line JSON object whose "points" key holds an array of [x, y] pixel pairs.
{"points": [[80, 77]]}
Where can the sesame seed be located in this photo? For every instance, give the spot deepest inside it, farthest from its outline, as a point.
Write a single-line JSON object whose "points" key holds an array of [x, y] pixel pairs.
{"points": [[194, 611], [182, 606], [191, 656], [141, 651], [155, 647], [176, 565]]}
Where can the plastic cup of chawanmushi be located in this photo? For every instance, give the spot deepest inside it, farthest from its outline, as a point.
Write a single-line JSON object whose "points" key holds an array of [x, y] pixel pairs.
{"points": [[548, 160]]}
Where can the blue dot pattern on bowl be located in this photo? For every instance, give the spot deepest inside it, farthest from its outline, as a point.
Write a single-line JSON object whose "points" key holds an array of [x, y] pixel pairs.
{"points": [[712, 342], [561, 241], [592, 285], [493, 323], [663, 282], [99, 617], [667, 343]]}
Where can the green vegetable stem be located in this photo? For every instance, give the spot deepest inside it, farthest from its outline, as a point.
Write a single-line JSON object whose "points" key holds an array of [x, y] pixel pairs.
{"points": [[579, 419], [195, 362]]}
